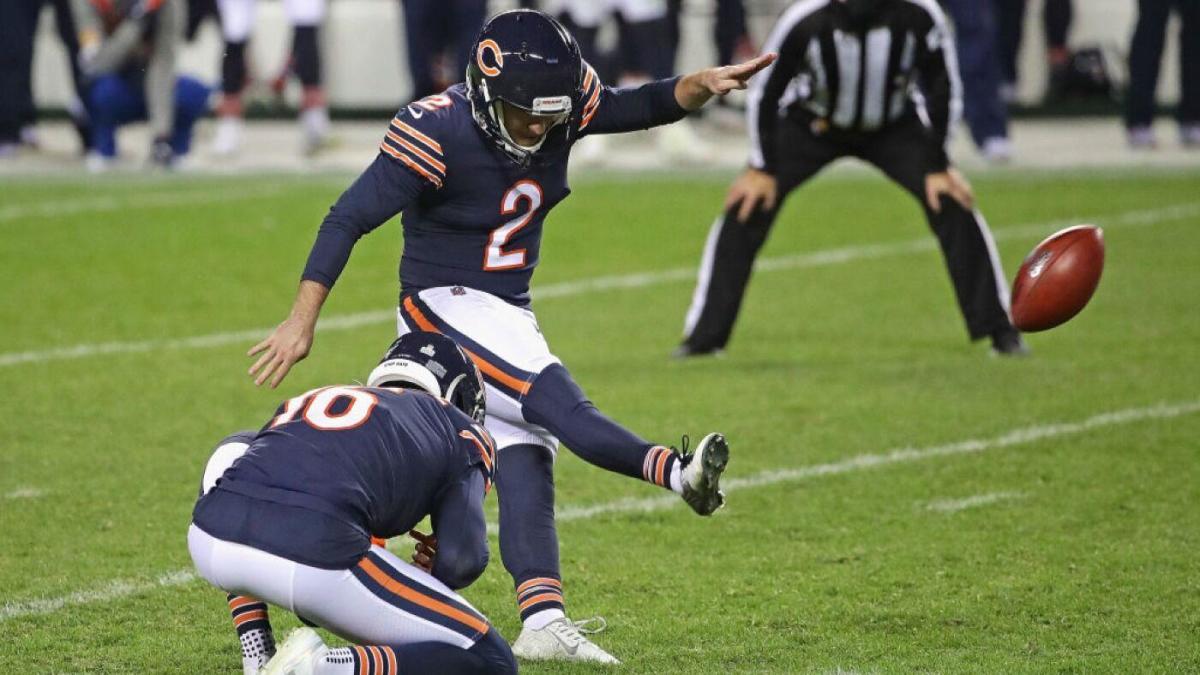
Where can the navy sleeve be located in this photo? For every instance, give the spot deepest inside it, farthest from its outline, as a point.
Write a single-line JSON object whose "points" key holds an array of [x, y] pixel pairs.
{"points": [[461, 531], [608, 110], [382, 191]]}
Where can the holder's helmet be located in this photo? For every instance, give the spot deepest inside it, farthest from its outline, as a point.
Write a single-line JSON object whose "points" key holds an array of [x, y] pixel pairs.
{"points": [[435, 364], [527, 60]]}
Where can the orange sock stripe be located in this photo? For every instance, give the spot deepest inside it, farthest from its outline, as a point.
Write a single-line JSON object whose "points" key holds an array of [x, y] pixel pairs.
{"points": [[544, 597], [539, 581], [661, 468], [393, 668], [377, 657], [241, 601], [397, 588], [362, 660], [256, 615]]}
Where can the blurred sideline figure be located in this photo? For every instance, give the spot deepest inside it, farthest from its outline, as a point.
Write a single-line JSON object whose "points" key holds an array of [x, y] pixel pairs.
{"points": [[1145, 58], [18, 30], [872, 79], [985, 112], [438, 35], [127, 51], [1057, 16], [237, 24]]}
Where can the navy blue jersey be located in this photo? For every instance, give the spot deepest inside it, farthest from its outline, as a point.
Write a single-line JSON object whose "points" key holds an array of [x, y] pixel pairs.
{"points": [[337, 465], [472, 216]]}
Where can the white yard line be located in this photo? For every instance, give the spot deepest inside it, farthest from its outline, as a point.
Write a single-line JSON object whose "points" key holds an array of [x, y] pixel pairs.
{"points": [[113, 590], [974, 501], [24, 493], [597, 284], [122, 588], [133, 200]]}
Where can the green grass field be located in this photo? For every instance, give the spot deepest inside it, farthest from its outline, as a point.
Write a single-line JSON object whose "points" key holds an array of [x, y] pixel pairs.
{"points": [[1045, 517]]}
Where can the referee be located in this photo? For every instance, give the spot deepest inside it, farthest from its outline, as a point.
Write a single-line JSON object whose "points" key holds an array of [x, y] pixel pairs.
{"points": [[872, 79]]}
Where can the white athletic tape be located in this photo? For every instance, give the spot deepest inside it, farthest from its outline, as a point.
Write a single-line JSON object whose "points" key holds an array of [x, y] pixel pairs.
{"points": [[598, 284]]}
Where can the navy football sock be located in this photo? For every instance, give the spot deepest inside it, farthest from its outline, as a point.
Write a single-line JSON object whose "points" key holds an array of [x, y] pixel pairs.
{"points": [[557, 403], [253, 628], [417, 657], [528, 539]]}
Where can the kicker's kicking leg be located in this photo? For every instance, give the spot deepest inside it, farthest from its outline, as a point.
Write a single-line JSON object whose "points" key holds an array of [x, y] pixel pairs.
{"points": [[557, 403]]}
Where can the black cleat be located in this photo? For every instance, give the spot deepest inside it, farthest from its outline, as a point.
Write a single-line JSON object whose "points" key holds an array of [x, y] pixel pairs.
{"points": [[1008, 342], [686, 351]]}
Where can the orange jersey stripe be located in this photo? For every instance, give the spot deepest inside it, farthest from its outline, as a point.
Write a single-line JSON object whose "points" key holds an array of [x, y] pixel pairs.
{"points": [[544, 597], [377, 657], [427, 141], [487, 461], [417, 151], [487, 368], [432, 604], [539, 581], [412, 164]]}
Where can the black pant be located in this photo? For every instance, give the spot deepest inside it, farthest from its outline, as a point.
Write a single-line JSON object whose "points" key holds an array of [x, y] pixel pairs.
{"points": [[440, 29], [18, 22], [1145, 57], [1057, 16], [897, 151]]}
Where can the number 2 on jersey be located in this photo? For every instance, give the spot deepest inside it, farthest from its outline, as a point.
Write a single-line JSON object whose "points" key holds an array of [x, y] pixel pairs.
{"points": [[319, 404], [495, 258]]}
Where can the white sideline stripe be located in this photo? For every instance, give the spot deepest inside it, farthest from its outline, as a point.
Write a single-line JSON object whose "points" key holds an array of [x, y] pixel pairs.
{"points": [[571, 288], [974, 501], [121, 588], [113, 590], [25, 493], [134, 200]]}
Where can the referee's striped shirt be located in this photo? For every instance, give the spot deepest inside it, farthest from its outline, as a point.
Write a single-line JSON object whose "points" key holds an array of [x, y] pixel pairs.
{"points": [[857, 78]]}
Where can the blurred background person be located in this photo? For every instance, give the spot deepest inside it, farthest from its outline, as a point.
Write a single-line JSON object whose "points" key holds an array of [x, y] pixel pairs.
{"points": [[237, 24], [18, 30], [1145, 57], [985, 112], [1057, 16], [438, 35], [127, 52], [645, 49]]}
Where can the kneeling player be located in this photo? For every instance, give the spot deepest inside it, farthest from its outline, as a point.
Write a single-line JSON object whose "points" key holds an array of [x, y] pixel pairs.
{"points": [[287, 514]]}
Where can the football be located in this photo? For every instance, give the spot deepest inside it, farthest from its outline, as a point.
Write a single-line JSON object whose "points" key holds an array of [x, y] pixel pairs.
{"points": [[1057, 278]]}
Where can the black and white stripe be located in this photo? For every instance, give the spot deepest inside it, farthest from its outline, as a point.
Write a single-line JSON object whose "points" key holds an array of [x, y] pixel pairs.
{"points": [[856, 78]]}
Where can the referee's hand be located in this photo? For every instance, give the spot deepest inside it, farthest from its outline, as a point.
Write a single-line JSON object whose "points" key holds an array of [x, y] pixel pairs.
{"points": [[949, 182], [752, 189]]}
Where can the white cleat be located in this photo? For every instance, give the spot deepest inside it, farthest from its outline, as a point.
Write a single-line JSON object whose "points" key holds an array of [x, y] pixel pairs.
{"points": [[701, 474], [298, 655], [559, 640], [228, 138]]}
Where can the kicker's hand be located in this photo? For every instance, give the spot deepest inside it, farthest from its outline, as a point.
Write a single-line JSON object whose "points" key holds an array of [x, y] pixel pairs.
{"points": [[287, 344], [752, 189], [426, 551], [694, 90], [949, 182]]}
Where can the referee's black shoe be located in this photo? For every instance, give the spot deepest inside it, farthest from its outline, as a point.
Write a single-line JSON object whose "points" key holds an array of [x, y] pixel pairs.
{"points": [[1007, 342]]}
